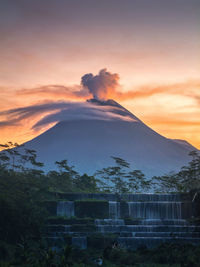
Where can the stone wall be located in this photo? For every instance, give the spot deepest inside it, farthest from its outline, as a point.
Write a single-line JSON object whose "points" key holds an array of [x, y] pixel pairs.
{"points": [[130, 220]]}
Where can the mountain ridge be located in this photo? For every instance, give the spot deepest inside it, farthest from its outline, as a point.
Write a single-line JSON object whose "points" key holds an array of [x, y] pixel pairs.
{"points": [[88, 144]]}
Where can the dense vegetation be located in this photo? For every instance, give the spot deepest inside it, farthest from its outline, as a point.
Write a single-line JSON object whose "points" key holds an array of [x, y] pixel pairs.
{"points": [[34, 254], [24, 186], [186, 180]]}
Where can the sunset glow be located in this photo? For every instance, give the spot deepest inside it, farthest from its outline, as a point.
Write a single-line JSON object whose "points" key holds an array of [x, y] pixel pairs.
{"points": [[154, 47]]}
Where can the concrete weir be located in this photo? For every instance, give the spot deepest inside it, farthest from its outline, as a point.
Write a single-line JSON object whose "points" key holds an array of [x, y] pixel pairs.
{"points": [[132, 220]]}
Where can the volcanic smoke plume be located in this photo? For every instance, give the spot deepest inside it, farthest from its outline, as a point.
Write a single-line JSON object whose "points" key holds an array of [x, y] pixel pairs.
{"points": [[102, 85]]}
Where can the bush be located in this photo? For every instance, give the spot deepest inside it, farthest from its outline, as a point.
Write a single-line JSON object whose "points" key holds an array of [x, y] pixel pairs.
{"points": [[93, 209]]}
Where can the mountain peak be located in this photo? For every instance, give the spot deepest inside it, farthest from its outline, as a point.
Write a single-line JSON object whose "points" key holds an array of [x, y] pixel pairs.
{"points": [[109, 102], [89, 134], [117, 108]]}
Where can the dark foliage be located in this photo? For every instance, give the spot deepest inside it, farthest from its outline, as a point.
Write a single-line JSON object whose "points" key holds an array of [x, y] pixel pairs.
{"points": [[121, 179], [24, 186], [186, 180]]}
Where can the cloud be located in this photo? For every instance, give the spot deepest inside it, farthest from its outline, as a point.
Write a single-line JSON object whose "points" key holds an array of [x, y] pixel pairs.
{"points": [[47, 105], [105, 85], [102, 86], [75, 92], [6, 123], [187, 88], [62, 111], [162, 120]]}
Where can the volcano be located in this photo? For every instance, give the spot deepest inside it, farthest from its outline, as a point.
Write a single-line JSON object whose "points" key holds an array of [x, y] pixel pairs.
{"points": [[88, 139]]}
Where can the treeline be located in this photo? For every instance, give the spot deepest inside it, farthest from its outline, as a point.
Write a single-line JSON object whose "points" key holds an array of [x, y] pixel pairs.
{"points": [[19, 161], [24, 186]]}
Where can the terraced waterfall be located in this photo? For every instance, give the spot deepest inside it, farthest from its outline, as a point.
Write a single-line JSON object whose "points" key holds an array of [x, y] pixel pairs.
{"points": [[132, 220]]}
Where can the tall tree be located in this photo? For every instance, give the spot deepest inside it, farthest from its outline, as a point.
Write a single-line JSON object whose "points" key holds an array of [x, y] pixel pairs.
{"points": [[187, 179], [120, 179]]}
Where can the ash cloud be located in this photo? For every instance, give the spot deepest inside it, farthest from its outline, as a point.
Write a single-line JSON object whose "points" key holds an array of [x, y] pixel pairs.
{"points": [[102, 85], [105, 85]]}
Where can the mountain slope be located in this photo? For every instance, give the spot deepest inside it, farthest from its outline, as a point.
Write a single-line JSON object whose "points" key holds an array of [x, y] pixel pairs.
{"points": [[89, 143]]}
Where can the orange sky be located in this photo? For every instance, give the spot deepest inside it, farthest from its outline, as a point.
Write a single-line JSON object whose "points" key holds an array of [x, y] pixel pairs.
{"points": [[154, 46], [173, 111]]}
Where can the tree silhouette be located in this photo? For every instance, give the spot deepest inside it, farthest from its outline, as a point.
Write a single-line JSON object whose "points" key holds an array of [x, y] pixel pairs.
{"points": [[120, 179]]}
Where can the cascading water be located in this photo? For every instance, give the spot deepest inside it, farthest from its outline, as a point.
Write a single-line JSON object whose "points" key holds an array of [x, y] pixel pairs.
{"points": [[154, 210], [109, 225], [114, 210], [65, 208], [163, 222], [138, 219], [152, 197], [152, 219], [109, 222]]}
